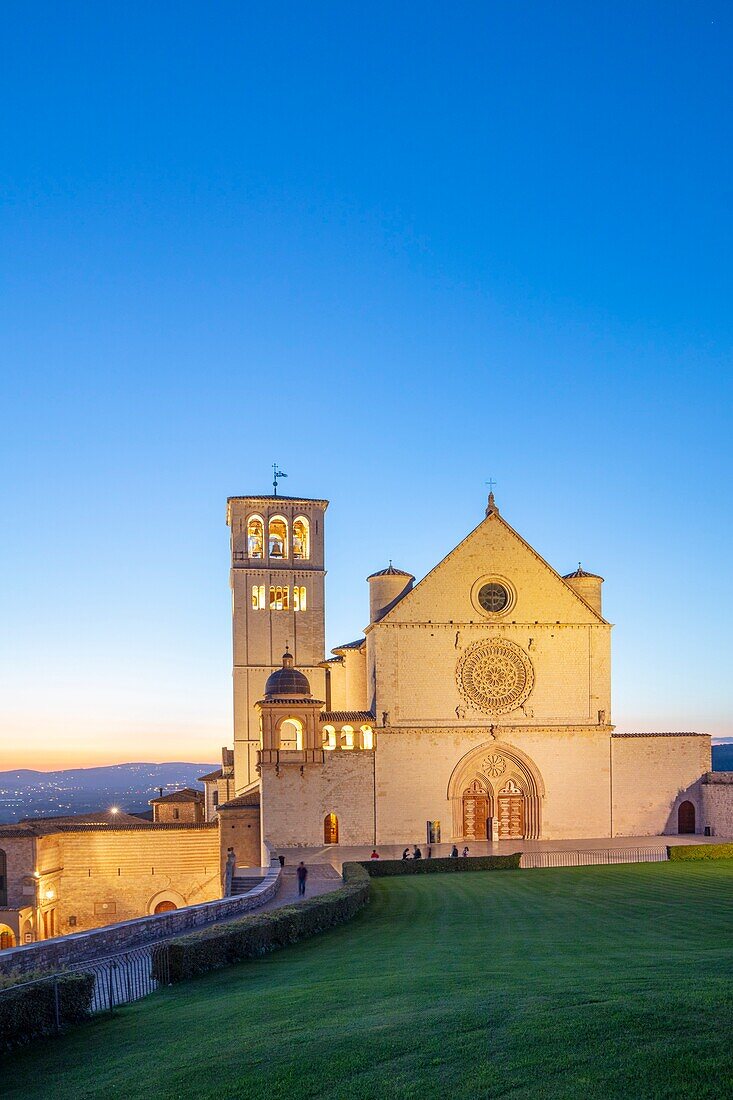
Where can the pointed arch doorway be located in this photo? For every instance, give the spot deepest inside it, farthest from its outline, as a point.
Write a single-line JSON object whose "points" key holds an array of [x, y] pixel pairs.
{"points": [[476, 812]]}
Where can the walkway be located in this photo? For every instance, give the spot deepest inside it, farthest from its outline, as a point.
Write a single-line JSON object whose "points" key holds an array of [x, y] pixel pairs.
{"points": [[338, 854], [322, 879]]}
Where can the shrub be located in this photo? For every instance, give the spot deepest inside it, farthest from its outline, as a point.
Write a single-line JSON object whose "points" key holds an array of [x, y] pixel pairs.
{"points": [[379, 868], [28, 1009], [699, 851], [257, 934]]}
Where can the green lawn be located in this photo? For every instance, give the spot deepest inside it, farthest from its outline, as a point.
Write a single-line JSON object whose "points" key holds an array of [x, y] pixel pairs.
{"points": [[590, 982]]}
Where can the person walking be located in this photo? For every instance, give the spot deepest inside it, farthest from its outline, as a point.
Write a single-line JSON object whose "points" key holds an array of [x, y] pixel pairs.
{"points": [[302, 873], [454, 852]]}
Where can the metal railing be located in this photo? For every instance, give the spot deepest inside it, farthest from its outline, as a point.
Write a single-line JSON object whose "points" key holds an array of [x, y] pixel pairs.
{"points": [[127, 977], [590, 857]]}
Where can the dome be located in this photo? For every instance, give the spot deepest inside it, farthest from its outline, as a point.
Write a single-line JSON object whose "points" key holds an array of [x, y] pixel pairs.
{"points": [[287, 680]]}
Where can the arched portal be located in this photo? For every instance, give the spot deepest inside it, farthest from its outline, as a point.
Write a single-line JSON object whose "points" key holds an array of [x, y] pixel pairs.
{"points": [[686, 817], [7, 937], [511, 785], [476, 811], [164, 907], [330, 829]]}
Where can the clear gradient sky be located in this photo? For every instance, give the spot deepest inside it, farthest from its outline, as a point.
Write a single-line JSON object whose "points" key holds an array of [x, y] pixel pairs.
{"points": [[399, 249]]}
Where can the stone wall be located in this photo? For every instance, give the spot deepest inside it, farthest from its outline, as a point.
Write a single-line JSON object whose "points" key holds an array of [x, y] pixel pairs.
{"points": [[717, 803], [652, 774], [72, 950]]}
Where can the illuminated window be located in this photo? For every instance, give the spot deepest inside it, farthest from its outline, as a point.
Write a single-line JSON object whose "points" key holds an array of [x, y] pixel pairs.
{"points": [[279, 597], [301, 538], [329, 737], [256, 537], [367, 737], [291, 735], [299, 600], [278, 537], [347, 737], [258, 597]]}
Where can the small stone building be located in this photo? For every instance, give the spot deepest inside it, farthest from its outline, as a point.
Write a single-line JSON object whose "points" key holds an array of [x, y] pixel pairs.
{"points": [[186, 806]]}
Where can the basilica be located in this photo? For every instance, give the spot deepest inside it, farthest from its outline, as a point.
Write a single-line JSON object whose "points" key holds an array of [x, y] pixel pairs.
{"points": [[475, 706]]}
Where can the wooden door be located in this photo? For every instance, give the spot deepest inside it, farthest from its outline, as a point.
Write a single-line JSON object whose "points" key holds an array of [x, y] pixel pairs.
{"points": [[511, 812], [686, 817], [330, 829], [475, 812], [165, 907]]}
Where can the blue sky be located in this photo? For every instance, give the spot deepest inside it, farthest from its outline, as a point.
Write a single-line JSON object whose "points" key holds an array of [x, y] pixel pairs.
{"points": [[398, 249]]}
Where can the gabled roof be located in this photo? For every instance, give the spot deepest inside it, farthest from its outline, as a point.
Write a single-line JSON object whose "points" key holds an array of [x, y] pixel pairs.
{"points": [[186, 794], [492, 517], [250, 798], [212, 775]]}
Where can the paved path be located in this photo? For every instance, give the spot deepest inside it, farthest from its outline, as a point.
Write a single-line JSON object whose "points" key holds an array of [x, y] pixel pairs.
{"points": [[338, 854], [322, 879]]}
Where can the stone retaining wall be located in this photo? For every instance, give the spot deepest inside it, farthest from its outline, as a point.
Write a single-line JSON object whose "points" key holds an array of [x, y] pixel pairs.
{"points": [[67, 951]]}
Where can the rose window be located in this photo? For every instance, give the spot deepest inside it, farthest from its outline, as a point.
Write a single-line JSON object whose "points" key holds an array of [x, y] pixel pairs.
{"points": [[495, 676]]}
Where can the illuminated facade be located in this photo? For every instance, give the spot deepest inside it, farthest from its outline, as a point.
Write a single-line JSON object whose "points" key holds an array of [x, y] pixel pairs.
{"points": [[476, 707]]}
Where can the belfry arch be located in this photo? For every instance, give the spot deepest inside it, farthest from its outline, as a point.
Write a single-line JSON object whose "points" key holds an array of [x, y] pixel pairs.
{"points": [[511, 785]]}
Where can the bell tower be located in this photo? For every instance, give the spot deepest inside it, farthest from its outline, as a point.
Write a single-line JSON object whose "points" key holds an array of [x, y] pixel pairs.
{"points": [[277, 579]]}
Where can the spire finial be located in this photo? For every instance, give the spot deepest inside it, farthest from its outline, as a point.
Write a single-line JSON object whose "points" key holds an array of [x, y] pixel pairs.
{"points": [[491, 506]]}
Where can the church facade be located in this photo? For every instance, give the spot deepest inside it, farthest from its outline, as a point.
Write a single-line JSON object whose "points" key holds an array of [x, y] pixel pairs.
{"points": [[477, 705]]}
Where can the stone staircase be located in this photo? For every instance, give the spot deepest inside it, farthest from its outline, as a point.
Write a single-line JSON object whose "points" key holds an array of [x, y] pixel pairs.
{"points": [[242, 884]]}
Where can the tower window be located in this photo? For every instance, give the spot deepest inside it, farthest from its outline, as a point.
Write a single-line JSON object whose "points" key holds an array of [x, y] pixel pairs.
{"points": [[291, 735], [367, 737], [347, 737], [301, 538], [299, 598], [255, 537], [258, 597], [278, 537], [279, 597]]}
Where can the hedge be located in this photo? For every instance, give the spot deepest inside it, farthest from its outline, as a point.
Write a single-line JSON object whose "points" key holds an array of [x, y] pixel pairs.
{"points": [[379, 868], [28, 1009], [257, 934], [699, 851]]}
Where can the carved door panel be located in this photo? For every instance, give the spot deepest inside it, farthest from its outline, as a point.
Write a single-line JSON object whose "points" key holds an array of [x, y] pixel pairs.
{"points": [[475, 814], [511, 816]]}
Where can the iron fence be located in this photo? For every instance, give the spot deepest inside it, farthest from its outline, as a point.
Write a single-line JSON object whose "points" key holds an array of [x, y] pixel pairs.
{"points": [[127, 977], [593, 856]]}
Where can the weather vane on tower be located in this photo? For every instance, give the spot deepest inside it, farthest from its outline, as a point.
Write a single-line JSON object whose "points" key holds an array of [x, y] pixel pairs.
{"points": [[276, 473]]}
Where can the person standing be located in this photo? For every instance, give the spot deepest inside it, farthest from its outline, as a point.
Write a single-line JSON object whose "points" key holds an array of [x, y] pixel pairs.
{"points": [[375, 854], [302, 873], [454, 852], [417, 854], [406, 853], [465, 851]]}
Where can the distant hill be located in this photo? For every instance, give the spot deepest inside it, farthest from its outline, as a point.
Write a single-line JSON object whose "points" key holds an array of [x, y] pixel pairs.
{"points": [[723, 758], [28, 793]]}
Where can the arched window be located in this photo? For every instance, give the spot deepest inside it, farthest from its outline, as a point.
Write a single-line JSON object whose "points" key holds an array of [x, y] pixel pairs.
{"points": [[299, 598], [329, 737], [3, 879], [330, 829], [291, 735], [258, 597], [256, 537], [301, 538], [367, 737], [7, 937], [279, 597], [347, 737], [278, 537], [686, 817]]}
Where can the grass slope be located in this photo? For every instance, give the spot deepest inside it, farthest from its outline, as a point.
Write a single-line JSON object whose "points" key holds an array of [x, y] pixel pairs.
{"points": [[592, 982]]}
